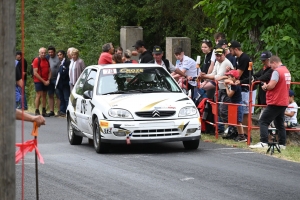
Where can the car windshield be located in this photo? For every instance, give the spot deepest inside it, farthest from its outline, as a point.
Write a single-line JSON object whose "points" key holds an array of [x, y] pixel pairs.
{"points": [[135, 80]]}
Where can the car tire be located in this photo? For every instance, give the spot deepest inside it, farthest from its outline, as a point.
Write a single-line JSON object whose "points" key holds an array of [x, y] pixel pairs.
{"points": [[73, 138], [191, 144], [100, 147]]}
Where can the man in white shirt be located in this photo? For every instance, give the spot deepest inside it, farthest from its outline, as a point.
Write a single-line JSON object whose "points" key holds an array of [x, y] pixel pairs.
{"points": [[188, 66], [221, 66]]}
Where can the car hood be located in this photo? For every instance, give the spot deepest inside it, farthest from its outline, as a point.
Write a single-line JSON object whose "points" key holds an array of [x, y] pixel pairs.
{"points": [[144, 102]]}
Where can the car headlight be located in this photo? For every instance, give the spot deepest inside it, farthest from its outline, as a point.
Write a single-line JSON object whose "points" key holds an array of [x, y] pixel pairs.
{"points": [[187, 111], [120, 113]]}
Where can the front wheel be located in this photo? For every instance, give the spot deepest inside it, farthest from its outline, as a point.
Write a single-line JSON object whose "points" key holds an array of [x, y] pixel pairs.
{"points": [[99, 146], [73, 138], [191, 144]]}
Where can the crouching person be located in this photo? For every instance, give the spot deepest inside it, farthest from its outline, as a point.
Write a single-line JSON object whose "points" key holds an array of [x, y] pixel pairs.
{"points": [[234, 92]]}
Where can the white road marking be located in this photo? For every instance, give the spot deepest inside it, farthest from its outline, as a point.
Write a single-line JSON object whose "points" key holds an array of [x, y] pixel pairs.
{"points": [[26, 163], [187, 179], [242, 152]]}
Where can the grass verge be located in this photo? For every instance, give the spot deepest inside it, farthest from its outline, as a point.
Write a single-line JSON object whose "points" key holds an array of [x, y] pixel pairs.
{"points": [[291, 152]]}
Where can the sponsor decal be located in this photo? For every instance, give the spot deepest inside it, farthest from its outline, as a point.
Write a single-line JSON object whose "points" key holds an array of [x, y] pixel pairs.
{"points": [[182, 126], [150, 106], [165, 107], [109, 71], [136, 71]]}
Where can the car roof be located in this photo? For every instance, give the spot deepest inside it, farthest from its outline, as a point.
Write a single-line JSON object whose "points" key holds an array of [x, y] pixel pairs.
{"points": [[124, 65]]}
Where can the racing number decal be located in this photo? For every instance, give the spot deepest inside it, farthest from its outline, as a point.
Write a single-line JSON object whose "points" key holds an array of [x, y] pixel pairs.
{"points": [[107, 130]]}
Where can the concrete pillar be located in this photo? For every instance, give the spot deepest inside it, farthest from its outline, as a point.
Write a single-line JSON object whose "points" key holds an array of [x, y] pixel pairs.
{"points": [[129, 35], [173, 42]]}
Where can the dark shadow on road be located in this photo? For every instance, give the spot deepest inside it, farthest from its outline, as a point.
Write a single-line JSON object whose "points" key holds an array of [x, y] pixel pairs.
{"points": [[155, 148]]}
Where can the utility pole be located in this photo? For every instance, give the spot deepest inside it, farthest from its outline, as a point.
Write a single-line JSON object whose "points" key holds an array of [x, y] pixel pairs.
{"points": [[7, 99]]}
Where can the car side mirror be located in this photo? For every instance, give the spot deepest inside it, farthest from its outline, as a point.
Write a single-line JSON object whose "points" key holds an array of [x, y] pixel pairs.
{"points": [[88, 94]]}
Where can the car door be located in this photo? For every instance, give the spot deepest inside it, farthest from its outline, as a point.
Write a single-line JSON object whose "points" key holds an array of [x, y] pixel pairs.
{"points": [[80, 101], [86, 103]]}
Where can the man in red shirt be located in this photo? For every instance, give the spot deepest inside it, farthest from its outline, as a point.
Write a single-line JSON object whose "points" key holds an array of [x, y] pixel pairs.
{"points": [[42, 75], [277, 98], [106, 55]]}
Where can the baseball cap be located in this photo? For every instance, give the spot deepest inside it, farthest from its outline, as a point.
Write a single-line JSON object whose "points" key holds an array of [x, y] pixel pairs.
{"points": [[234, 44], [233, 73], [157, 50], [291, 93], [139, 43], [219, 51], [265, 55], [221, 43]]}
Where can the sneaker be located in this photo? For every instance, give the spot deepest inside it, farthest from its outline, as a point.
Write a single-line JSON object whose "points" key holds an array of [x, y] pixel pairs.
{"points": [[228, 136], [281, 146], [247, 137], [60, 114], [226, 131], [37, 112], [51, 114], [240, 138], [259, 145]]}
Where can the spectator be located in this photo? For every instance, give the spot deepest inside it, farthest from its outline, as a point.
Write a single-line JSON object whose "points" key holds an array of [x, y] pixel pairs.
{"points": [[221, 66], [42, 75], [22, 69], [263, 75], [69, 53], [117, 58], [54, 65], [234, 92], [18, 87], [30, 118], [188, 66], [119, 50], [291, 112], [277, 101], [76, 68], [207, 49], [242, 66], [217, 37], [223, 44], [62, 84], [157, 55], [127, 56], [145, 56], [106, 55]]}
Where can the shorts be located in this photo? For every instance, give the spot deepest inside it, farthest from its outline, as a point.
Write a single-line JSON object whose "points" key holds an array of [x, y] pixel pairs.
{"points": [[245, 100], [39, 86], [240, 113], [51, 88]]}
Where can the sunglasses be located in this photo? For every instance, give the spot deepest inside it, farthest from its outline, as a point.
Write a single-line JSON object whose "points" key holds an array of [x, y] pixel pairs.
{"points": [[206, 40]]}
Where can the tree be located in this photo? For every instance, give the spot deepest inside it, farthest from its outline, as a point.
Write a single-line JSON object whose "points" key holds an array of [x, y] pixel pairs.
{"points": [[7, 108], [258, 25]]}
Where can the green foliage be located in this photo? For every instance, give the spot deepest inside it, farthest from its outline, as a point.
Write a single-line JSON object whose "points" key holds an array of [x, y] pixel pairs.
{"points": [[260, 25]]}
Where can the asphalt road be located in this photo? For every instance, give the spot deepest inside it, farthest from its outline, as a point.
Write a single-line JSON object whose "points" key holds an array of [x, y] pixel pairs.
{"points": [[151, 171]]}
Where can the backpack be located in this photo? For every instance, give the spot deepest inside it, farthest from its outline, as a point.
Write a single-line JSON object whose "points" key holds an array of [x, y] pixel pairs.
{"points": [[39, 66]]}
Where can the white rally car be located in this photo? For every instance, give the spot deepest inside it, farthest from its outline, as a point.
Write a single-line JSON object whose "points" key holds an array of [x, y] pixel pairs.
{"points": [[130, 103]]}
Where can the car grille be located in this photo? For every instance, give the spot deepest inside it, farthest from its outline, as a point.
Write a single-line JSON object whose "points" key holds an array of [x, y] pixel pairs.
{"points": [[155, 114], [156, 132]]}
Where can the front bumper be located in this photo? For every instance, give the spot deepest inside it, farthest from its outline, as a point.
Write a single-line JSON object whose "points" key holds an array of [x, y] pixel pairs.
{"points": [[150, 131]]}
